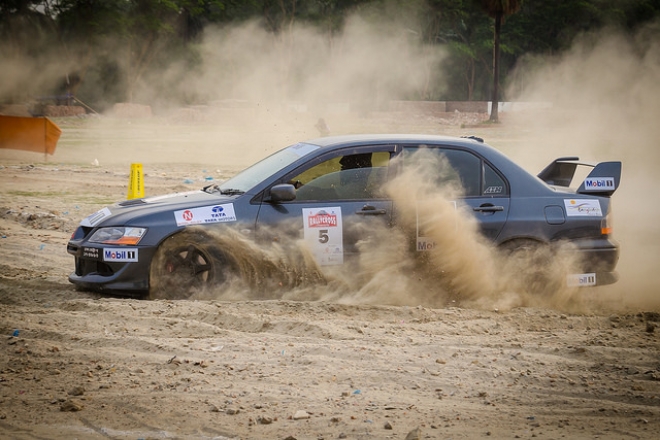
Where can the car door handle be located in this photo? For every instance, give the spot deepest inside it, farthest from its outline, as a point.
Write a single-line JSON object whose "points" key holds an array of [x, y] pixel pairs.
{"points": [[371, 210], [488, 208]]}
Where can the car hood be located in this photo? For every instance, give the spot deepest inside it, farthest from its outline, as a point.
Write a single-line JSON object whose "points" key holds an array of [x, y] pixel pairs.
{"points": [[151, 209]]}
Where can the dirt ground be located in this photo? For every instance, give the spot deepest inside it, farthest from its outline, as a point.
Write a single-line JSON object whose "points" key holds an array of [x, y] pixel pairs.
{"points": [[80, 365]]}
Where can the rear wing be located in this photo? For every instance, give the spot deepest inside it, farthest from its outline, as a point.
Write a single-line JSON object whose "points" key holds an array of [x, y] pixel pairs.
{"points": [[603, 180]]}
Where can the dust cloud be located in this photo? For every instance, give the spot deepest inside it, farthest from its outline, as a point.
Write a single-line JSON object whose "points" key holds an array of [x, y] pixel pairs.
{"points": [[248, 90], [461, 268], [377, 56], [259, 91], [606, 105], [305, 65]]}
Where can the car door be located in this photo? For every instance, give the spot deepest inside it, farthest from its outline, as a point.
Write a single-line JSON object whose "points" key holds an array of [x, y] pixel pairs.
{"points": [[339, 201], [486, 192]]}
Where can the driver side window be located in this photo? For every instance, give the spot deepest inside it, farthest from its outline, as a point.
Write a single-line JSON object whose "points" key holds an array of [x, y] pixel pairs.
{"points": [[349, 177]]}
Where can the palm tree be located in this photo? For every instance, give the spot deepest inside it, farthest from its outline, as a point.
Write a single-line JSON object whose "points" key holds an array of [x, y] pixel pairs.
{"points": [[498, 9]]}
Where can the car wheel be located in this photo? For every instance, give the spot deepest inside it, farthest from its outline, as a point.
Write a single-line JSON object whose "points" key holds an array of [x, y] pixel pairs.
{"points": [[185, 264], [528, 265]]}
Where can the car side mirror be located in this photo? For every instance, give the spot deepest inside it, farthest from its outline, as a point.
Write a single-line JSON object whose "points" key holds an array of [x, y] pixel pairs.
{"points": [[284, 192]]}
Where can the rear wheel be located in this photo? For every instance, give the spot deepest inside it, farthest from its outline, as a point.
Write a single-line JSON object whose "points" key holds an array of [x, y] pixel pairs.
{"points": [[529, 265], [185, 264]]}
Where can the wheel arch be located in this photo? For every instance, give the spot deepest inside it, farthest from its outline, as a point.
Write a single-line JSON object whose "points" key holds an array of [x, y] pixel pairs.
{"points": [[193, 240]]}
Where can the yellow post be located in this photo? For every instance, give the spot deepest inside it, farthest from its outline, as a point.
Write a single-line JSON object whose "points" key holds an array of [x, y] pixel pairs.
{"points": [[136, 182]]}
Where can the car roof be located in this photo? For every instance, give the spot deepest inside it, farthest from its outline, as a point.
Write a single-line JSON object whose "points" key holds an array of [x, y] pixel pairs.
{"points": [[348, 140]]}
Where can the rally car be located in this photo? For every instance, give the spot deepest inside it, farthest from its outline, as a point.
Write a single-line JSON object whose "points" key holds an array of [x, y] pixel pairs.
{"points": [[320, 191]]}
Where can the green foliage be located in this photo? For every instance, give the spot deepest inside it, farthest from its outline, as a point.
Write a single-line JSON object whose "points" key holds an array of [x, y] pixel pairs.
{"points": [[117, 45]]}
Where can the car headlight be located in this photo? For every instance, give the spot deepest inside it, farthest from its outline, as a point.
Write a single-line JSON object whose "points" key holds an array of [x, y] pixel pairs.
{"points": [[118, 235]]}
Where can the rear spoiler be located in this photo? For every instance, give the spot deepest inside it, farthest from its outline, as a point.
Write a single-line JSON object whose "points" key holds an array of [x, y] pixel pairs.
{"points": [[603, 180]]}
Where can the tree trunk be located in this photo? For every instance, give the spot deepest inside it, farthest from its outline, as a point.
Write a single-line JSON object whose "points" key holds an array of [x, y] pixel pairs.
{"points": [[494, 112]]}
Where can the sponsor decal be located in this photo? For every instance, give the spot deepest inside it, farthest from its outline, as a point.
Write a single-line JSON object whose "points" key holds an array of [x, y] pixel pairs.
{"points": [[599, 183], [120, 255], [91, 253], [322, 230], [322, 220], [424, 242], [581, 280], [205, 214], [493, 190], [582, 207], [96, 217]]}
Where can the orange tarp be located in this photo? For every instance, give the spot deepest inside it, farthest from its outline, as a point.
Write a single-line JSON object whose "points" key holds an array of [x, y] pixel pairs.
{"points": [[32, 134]]}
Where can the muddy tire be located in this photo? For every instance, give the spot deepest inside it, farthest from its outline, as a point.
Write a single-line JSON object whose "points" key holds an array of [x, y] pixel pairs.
{"points": [[185, 264], [532, 263]]}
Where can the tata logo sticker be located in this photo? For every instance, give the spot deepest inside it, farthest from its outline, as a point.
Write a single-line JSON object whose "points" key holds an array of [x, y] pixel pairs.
{"points": [[599, 183], [205, 214], [120, 255], [582, 207]]}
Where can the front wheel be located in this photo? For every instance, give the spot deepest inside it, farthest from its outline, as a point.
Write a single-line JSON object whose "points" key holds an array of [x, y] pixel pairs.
{"points": [[186, 264]]}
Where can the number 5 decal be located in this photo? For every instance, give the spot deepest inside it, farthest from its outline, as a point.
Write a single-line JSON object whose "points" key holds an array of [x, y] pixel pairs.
{"points": [[323, 234]]}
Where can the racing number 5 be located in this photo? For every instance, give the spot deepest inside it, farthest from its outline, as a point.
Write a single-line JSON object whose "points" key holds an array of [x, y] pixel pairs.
{"points": [[323, 236]]}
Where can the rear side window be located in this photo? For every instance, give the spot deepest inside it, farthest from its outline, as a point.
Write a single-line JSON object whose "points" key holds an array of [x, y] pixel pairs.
{"points": [[494, 185], [476, 177]]}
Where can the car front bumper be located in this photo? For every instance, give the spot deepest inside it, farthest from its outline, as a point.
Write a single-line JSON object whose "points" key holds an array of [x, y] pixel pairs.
{"points": [[124, 278]]}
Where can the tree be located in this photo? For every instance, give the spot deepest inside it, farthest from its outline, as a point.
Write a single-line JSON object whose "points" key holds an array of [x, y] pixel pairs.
{"points": [[466, 33], [498, 9], [125, 40]]}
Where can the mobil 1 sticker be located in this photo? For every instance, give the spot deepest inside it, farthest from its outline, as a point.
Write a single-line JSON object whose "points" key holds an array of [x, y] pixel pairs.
{"points": [[120, 255], [599, 183], [581, 280]]}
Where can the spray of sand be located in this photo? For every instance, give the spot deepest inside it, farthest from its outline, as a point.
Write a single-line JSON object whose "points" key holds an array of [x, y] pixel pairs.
{"points": [[605, 107], [463, 268]]}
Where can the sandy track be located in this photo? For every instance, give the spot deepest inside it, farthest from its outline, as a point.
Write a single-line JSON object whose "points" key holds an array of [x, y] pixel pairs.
{"points": [[87, 366]]}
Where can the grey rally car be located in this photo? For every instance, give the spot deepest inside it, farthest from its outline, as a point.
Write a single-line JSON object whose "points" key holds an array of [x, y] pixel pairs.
{"points": [[321, 191]]}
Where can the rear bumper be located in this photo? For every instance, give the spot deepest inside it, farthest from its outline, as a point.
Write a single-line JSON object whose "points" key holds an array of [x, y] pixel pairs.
{"points": [[591, 279], [598, 261], [598, 255]]}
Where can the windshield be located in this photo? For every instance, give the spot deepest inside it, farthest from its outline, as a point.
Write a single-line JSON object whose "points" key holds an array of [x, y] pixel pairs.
{"points": [[248, 178]]}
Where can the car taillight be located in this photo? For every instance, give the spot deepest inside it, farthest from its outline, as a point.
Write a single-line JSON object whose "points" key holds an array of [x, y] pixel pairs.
{"points": [[606, 224]]}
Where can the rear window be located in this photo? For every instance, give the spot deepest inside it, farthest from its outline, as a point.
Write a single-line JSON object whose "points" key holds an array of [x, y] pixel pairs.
{"points": [[475, 176]]}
